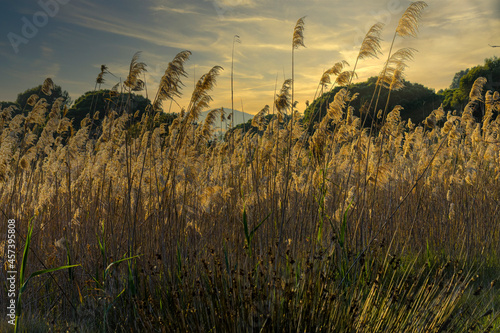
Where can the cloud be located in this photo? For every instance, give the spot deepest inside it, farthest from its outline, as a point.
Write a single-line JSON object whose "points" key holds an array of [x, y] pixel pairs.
{"points": [[234, 3], [46, 51], [163, 8], [141, 32], [52, 70]]}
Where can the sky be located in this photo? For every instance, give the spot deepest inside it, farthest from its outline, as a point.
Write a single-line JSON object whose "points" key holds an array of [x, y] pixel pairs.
{"points": [[69, 40]]}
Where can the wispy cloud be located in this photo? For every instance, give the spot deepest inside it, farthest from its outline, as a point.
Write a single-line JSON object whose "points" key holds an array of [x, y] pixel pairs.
{"points": [[174, 39], [234, 3], [46, 51], [163, 8]]}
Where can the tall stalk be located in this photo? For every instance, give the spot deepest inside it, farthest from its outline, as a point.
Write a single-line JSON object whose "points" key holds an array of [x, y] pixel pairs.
{"points": [[236, 39], [297, 41], [407, 26]]}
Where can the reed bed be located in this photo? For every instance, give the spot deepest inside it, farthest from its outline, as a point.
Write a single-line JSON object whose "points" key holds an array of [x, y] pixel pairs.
{"points": [[388, 228]]}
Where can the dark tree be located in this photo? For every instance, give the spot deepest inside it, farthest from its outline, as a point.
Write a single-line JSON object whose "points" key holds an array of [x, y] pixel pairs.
{"points": [[455, 83], [457, 99], [57, 92], [417, 102], [104, 101]]}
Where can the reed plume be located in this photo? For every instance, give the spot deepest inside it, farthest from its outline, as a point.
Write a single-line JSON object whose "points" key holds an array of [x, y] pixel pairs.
{"points": [[336, 108], [133, 82], [200, 98], [297, 41], [171, 83], [345, 78], [370, 47], [477, 89], [334, 70], [37, 115], [298, 33], [100, 77], [282, 101], [408, 24], [397, 81], [32, 100], [392, 75], [259, 119], [48, 86], [205, 132]]}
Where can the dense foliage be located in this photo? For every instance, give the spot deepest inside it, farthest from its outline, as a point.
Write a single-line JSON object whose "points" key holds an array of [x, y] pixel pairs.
{"points": [[456, 97], [57, 92], [417, 101], [95, 104]]}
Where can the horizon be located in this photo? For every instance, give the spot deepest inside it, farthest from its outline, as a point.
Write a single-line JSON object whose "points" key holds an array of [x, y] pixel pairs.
{"points": [[71, 39]]}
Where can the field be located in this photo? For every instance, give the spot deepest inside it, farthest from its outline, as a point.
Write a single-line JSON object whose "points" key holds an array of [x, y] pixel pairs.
{"points": [[347, 225]]}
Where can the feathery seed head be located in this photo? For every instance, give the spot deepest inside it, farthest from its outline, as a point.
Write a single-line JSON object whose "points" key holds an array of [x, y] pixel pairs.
{"points": [[259, 118], [136, 69], [282, 101], [334, 70], [430, 121], [344, 78], [32, 100], [170, 84], [370, 47], [200, 98], [298, 34], [100, 78], [48, 86], [408, 24], [336, 108], [477, 89]]}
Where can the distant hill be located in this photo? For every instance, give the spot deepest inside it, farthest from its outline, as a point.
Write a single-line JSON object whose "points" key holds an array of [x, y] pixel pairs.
{"points": [[239, 118], [417, 101]]}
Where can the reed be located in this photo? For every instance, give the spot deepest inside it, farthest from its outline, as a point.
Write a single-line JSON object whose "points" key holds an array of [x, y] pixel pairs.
{"points": [[388, 230]]}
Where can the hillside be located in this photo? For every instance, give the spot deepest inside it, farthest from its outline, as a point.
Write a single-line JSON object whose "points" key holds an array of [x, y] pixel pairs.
{"points": [[417, 101]]}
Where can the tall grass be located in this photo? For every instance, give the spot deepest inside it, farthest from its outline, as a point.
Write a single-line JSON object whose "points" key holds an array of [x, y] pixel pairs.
{"points": [[393, 231]]}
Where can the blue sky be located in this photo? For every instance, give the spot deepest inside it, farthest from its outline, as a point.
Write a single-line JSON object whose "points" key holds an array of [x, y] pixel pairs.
{"points": [[79, 36]]}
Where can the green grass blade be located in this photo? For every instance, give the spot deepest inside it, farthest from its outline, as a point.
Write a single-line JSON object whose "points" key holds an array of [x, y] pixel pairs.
{"points": [[117, 262], [258, 226], [25, 252], [43, 271]]}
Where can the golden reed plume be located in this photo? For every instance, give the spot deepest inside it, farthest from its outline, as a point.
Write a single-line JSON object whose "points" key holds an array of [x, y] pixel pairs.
{"points": [[408, 24], [334, 70], [259, 119], [48, 86], [200, 98], [477, 89], [370, 47], [392, 75], [298, 34], [136, 68], [100, 77], [205, 132], [170, 83], [282, 101]]}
